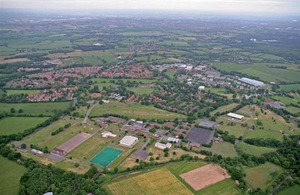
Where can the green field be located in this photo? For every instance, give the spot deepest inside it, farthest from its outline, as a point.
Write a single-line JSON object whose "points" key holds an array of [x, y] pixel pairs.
{"points": [[225, 149], [12, 125], [106, 156], [141, 90], [253, 150], [263, 175], [294, 190], [160, 181], [35, 108], [262, 70], [293, 110], [225, 187], [134, 111], [10, 176], [108, 80], [288, 100], [290, 87], [183, 167], [224, 108], [29, 92]]}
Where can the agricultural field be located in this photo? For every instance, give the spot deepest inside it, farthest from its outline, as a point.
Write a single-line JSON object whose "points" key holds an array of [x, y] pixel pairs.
{"points": [[28, 92], [288, 100], [294, 190], [141, 90], [134, 111], [225, 149], [290, 87], [13, 125], [262, 71], [160, 181], [10, 176], [225, 187], [34, 108], [263, 175], [224, 108], [253, 150], [293, 110]]}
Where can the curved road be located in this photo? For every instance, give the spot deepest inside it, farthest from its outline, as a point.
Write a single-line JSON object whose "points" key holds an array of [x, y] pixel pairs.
{"points": [[89, 111]]}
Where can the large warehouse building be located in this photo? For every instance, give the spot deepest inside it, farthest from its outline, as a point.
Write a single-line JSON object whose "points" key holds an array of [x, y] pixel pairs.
{"points": [[252, 82], [128, 141]]}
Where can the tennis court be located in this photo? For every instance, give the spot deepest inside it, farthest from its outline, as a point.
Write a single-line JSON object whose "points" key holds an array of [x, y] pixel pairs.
{"points": [[106, 156]]}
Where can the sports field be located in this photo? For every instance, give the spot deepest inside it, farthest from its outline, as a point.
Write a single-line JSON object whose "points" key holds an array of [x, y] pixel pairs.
{"points": [[160, 181], [106, 156], [11, 125]]}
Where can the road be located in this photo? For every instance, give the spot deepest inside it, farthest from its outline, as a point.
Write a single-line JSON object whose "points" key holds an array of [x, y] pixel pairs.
{"points": [[89, 111]]}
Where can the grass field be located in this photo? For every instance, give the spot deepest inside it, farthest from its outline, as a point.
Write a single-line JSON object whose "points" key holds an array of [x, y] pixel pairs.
{"points": [[287, 100], [134, 111], [29, 92], [35, 108], [293, 110], [290, 87], [141, 90], [253, 150], [263, 71], [225, 149], [225, 187], [10, 176], [294, 190], [224, 108], [11, 125], [263, 175], [183, 167], [160, 181]]}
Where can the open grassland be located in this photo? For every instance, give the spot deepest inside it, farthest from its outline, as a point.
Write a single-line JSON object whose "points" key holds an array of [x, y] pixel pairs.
{"points": [[293, 110], [35, 108], [54, 141], [225, 187], [45, 133], [237, 130], [225, 149], [294, 190], [10, 176], [263, 71], [263, 175], [220, 91], [160, 181], [290, 87], [29, 92], [11, 125], [288, 100], [141, 90], [224, 108], [89, 148], [134, 111], [253, 150], [69, 165], [183, 167]]}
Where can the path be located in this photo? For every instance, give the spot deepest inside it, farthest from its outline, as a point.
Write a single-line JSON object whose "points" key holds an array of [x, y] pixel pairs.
{"points": [[89, 111], [278, 186]]}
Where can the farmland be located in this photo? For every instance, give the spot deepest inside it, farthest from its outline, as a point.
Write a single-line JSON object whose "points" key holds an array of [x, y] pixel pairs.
{"points": [[253, 150], [160, 181], [225, 187], [35, 108], [10, 176], [262, 176], [294, 190], [134, 111], [225, 149], [12, 125]]}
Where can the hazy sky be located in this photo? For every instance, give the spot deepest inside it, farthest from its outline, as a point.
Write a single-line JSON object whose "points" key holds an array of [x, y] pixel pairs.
{"points": [[245, 6]]}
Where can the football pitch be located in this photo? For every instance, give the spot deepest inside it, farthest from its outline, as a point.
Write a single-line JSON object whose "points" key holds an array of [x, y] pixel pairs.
{"points": [[106, 156]]}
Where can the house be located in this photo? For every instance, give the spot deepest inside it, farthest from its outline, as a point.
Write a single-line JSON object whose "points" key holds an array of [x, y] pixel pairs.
{"points": [[128, 141], [37, 152], [236, 116], [107, 134], [201, 88], [163, 146]]}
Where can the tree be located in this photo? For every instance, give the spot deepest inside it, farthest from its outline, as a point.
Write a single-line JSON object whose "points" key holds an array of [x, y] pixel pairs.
{"points": [[20, 110], [12, 110], [23, 146]]}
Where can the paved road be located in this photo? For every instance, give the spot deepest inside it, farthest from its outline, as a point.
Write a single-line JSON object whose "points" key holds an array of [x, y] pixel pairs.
{"points": [[89, 111]]}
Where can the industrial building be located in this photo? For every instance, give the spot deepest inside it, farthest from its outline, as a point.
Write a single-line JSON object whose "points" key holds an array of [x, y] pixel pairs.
{"points": [[252, 82], [236, 116], [128, 141], [163, 146]]}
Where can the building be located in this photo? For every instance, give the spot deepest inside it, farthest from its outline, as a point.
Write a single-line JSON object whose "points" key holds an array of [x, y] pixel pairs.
{"points": [[128, 141], [163, 146], [201, 88], [236, 116], [107, 134], [208, 124], [200, 136], [252, 82], [37, 152]]}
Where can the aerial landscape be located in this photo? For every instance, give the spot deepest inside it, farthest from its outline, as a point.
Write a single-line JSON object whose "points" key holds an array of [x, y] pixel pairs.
{"points": [[149, 97]]}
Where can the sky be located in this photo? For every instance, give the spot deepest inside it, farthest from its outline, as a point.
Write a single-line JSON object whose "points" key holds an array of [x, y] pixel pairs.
{"points": [[224, 6]]}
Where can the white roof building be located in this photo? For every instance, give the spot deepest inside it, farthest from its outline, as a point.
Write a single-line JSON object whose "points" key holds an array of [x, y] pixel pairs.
{"points": [[128, 141], [252, 82], [163, 146], [107, 134], [201, 87], [237, 116]]}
